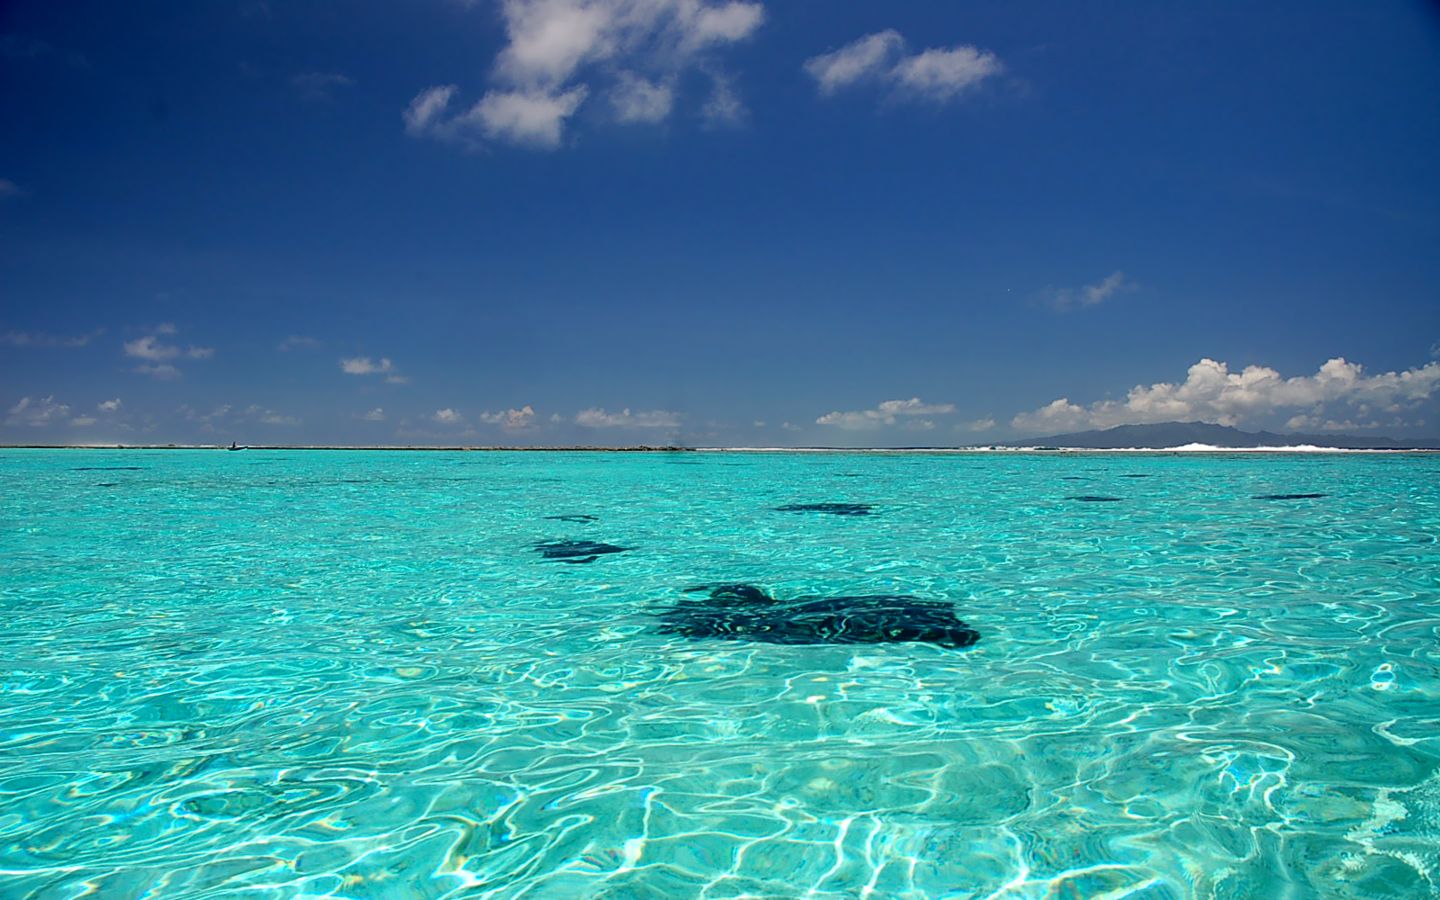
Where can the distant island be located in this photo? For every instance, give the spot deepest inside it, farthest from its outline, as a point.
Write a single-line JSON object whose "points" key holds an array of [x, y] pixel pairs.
{"points": [[1179, 434]]}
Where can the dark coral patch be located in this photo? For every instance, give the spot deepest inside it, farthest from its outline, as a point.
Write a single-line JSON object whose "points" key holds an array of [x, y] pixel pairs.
{"points": [[578, 519], [108, 469], [1289, 496], [1093, 498], [576, 551], [1134, 476], [834, 509], [744, 612]]}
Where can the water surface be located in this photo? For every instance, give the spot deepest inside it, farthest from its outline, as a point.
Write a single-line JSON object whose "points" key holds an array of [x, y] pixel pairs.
{"points": [[352, 674]]}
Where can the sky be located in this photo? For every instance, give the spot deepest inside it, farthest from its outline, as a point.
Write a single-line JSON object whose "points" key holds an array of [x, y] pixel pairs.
{"points": [[715, 223]]}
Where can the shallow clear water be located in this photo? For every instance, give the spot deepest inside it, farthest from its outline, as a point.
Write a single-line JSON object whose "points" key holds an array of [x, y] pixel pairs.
{"points": [[351, 674]]}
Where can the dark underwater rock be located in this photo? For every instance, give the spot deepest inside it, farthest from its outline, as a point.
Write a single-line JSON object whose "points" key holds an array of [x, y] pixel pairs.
{"points": [[834, 509], [1093, 498], [576, 551], [578, 519], [1289, 496], [744, 612]]}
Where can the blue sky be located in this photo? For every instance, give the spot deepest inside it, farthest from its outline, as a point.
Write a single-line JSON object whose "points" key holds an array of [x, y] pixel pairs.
{"points": [[740, 223]]}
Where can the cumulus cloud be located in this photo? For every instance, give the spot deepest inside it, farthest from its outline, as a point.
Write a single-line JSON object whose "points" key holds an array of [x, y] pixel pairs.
{"points": [[447, 416], [1213, 393], [526, 116], [364, 365], [1091, 294], [655, 418], [318, 87], [42, 339], [938, 74], [890, 412], [559, 52], [511, 419], [37, 413], [109, 406], [158, 354]]}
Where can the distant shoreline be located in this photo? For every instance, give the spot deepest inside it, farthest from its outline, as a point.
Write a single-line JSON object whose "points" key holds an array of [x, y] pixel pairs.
{"points": [[983, 449]]}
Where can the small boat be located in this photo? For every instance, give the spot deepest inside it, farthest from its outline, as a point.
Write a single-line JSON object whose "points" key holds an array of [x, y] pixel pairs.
{"points": [[235, 446]]}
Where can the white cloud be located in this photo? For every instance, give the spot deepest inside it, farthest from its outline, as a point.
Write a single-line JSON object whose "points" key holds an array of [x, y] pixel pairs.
{"points": [[316, 87], [375, 415], [37, 413], [870, 57], [523, 117], [109, 405], [1091, 294], [943, 74], [655, 418], [82, 421], [297, 342], [424, 116], [511, 419], [559, 51], [158, 354], [938, 73], [364, 365], [637, 99], [447, 416], [1212, 393], [984, 424], [42, 339], [887, 413]]}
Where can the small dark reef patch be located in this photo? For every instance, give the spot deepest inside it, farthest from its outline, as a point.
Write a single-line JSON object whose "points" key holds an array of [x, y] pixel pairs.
{"points": [[744, 612], [1093, 498], [577, 519], [1289, 496], [108, 469], [576, 551], [834, 509]]}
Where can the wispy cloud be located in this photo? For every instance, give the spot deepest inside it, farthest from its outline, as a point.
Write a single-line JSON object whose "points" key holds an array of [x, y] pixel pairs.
{"points": [[158, 353], [939, 74], [1064, 299], [559, 52], [42, 339], [1213, 393], [37, 412], [655, 418], [297, 342], [375, 415], [890, 412], [9, 188], [319, 87], [447, 416]]}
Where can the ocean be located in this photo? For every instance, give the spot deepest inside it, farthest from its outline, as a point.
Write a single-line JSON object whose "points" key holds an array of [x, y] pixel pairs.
{"points": [[631, 675]]}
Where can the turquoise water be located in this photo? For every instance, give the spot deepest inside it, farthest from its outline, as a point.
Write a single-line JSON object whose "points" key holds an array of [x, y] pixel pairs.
{"points": [[350, 674]]}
